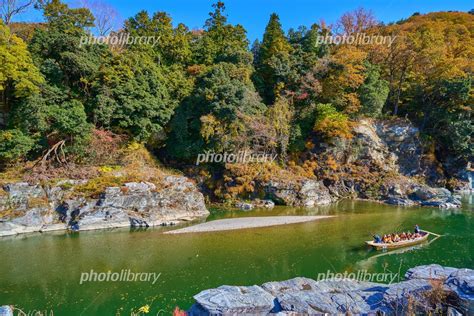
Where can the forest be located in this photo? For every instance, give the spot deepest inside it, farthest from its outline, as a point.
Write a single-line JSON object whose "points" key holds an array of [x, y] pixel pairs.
{"points": [[211, 90]]}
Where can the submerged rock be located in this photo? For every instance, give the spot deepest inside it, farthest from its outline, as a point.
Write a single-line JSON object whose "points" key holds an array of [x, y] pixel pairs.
{"points": [[244, 206], [306, 193], [247, 206]]}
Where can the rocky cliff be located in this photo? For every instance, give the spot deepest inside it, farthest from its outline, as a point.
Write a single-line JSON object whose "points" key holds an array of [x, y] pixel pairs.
{"points": [[28, 208], [429, 289], [387, 161], [384, 160]]}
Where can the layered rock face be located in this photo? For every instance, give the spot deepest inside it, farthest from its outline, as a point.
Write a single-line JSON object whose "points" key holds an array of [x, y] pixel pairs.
{"points": [[396, 147], [383, 161], [303, 296], [33, 208]]}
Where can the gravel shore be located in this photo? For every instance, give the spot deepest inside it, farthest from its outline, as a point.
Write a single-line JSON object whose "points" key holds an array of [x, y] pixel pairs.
{"points": [[246, 222]]}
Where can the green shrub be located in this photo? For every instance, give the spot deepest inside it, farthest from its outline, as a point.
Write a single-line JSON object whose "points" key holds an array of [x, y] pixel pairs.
{"points": [[14, 145], [331, 123]]}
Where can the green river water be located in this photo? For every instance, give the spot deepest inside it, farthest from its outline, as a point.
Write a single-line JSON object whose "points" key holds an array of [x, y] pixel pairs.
{"points": [[43, 271]]}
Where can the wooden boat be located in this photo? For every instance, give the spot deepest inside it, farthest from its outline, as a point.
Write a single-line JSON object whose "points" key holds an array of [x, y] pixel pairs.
{"points": [[400, 244]]}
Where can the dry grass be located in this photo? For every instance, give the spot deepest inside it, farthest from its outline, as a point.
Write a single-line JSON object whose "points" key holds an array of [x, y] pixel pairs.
{"points": [[9, 214], [38, 202], [112, 166]]}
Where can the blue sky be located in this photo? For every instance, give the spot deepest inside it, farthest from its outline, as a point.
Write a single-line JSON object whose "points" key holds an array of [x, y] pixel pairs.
{"points": [[254, 14]]}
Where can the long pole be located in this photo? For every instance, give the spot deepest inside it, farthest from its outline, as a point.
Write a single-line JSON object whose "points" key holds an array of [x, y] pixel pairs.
{"points": [[423, 230]]}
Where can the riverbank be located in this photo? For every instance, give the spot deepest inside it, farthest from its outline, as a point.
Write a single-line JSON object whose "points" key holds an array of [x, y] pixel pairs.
{"points": [[245, 223], [426, 289], [136, 191]]}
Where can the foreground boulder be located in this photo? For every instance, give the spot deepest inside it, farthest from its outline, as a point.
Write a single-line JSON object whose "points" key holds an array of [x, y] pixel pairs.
{"points": [[234, 300], [6, 311], [426, 289], [31, 208]]}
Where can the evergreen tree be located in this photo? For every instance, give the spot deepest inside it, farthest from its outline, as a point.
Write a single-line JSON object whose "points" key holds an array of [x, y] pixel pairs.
{"points": [[211, 117], [273, 59], [373, 93]]}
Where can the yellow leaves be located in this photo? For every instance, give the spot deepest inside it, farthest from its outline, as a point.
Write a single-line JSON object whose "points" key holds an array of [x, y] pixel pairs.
{"points": [[352, 60], [108, 169], [210, 126], [307, 169], [331, 123], [144, 309], [345, 77], [7, 136], [309, 145], [17, 65], [333, 127], [331, 163], [428, 47], [352, 103], [133, 146], [240, 179], [96, 186]]}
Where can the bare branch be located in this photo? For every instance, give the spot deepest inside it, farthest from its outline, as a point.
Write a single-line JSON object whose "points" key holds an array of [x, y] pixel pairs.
{"points": [[105, 15], [10, 8], [355, 21]]}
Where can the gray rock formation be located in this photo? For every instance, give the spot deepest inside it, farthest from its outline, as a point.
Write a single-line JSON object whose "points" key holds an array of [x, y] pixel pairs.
{"points": [[302, 296], [461, 282], [389, 148], [393, 145], [257, 203], [406, 192], [6, 311], [132, 205], [430, 272], [245, 206], [234, 300], [299, 193]]}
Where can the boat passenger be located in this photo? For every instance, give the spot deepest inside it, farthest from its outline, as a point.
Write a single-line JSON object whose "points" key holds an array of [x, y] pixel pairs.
{"points": [[377, 239], [417, 229]]}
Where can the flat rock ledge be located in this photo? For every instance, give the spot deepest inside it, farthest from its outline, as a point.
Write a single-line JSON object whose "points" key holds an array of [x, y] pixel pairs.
{"points": [[26, 208], [303, 296], [246, 222]]}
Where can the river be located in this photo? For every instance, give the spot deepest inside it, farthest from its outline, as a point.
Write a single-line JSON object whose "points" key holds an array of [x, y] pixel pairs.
{"points": [[43, 271]]}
